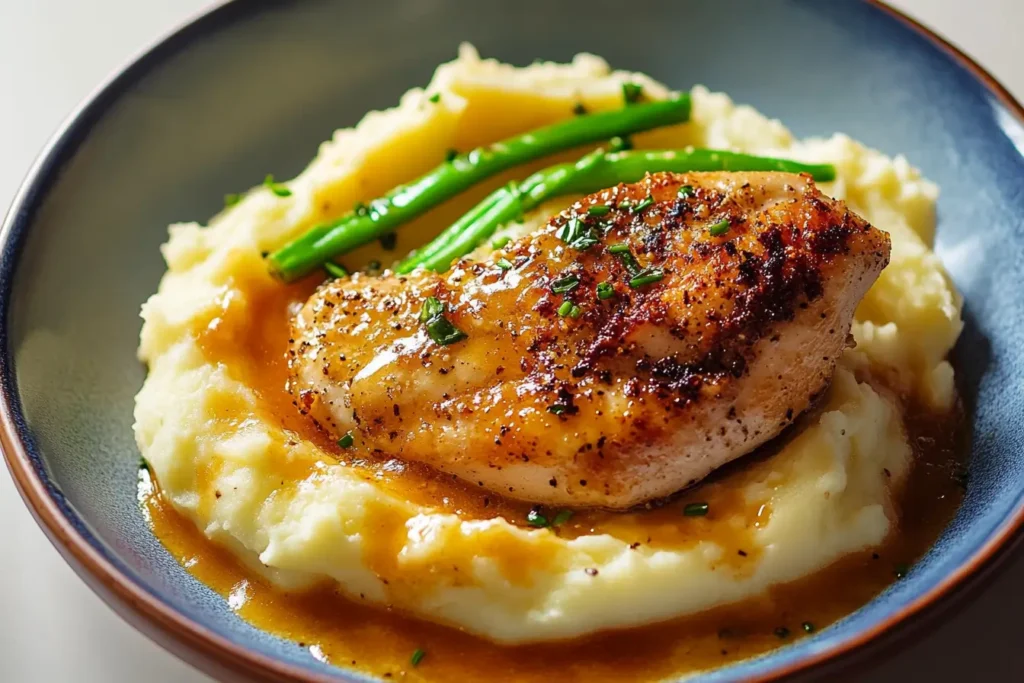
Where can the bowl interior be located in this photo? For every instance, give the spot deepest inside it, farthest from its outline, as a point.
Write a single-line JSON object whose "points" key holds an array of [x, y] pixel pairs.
{"points": [[252, 90]]}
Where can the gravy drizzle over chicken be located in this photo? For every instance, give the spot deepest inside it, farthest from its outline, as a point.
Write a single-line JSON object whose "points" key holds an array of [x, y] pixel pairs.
{"points": [[646, 336]]}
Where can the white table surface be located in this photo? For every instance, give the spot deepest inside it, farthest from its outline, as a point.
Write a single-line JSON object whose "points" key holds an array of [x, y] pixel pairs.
{"points": [[53, 629]]}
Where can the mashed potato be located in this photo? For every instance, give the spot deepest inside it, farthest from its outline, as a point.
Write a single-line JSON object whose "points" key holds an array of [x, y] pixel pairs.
{"points": [[292, 512]]}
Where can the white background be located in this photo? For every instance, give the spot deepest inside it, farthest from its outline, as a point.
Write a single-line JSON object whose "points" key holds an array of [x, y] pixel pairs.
{"points": [[53, 629]]}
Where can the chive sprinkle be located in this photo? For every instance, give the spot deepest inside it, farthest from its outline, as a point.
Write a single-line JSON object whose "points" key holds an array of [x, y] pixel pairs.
{"points": [[719, 229], [439, 328], [232, 199], [504, 264], [500, 242], [417, 657], [577, 234], [631, 92], [565, 309], [360, 209], [442, 331], [599, 210], [450, 155], [808, 627], [346, 441], [335, 270], [605, 290], [562, 517], [575, 312], [277, 188], [647, 277], [626, 256], [534, 517], [642, 204], [685, 191], [432, 307], [557, 409], [565, 284], [696, 510], [435, 98]]}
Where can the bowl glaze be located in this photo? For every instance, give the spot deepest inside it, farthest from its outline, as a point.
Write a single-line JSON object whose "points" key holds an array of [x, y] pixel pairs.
{"points": [[251, 88]]}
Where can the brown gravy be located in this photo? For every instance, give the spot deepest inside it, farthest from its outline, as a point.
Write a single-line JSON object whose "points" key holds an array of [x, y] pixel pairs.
{"points": [[379, 641]]}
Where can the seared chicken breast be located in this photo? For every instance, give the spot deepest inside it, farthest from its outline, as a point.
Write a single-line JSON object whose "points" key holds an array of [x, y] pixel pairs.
{"points": [[647, 335]]}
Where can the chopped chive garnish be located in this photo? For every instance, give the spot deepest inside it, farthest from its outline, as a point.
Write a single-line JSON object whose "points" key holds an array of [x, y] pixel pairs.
{"points": [[605, 290], [643, 204], [577, 234], [565, 284], [435, 98], [360, 209], [504, 264], [631, 92], [534, 517], [562, 517], [781, 632], [685, 191], [450, 155], [346, 441], [599, 210], [335, 270], [432, 307], [808, 627], [557, 409], [277, 188], [565, 309], [696, 509], [232, 199], [579, 109], [627, 258], [443, 332], [417, 657], [575, 312], [625, 205], [500, 242], [439, 328], [647, 277], [719, 229], [388, 241]]}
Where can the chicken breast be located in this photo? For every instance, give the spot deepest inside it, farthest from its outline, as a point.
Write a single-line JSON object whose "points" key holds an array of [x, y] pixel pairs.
{"points": [[646, 336]]}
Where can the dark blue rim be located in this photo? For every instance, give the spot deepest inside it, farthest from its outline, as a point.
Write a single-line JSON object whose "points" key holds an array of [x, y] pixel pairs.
{"points": [[72, 536]]}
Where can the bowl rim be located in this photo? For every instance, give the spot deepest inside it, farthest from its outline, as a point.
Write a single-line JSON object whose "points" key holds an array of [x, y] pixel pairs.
{"points": [[218, 652]]}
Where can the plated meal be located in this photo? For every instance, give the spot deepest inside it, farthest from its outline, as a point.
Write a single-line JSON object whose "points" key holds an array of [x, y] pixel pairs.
{"points": [[553, 367]]}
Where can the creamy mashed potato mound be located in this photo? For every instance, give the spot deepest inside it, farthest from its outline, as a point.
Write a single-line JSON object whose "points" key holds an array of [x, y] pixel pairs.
{"points": [[289, 510]]}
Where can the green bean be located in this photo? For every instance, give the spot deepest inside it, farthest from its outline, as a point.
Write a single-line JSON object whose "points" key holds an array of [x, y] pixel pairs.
{"points": [[498, 208], [592, 173], [404, 203]]}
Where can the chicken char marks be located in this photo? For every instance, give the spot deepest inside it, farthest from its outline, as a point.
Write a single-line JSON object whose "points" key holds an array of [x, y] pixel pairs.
{"points": [[705, 312]]}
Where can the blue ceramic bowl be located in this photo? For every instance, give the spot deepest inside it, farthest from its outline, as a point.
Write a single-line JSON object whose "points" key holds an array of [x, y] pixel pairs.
{"points": [[254, 87]]}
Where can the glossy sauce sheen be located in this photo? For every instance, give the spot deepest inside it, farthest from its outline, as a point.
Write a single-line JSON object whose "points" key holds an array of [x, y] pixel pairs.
{"points": [[382, 642]]}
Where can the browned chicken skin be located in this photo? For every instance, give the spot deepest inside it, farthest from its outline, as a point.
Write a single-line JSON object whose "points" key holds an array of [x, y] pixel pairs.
{"points": [[644, 392]]}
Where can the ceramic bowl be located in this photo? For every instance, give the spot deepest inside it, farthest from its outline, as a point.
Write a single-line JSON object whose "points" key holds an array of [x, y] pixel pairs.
{"points": [[254, 87]]}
